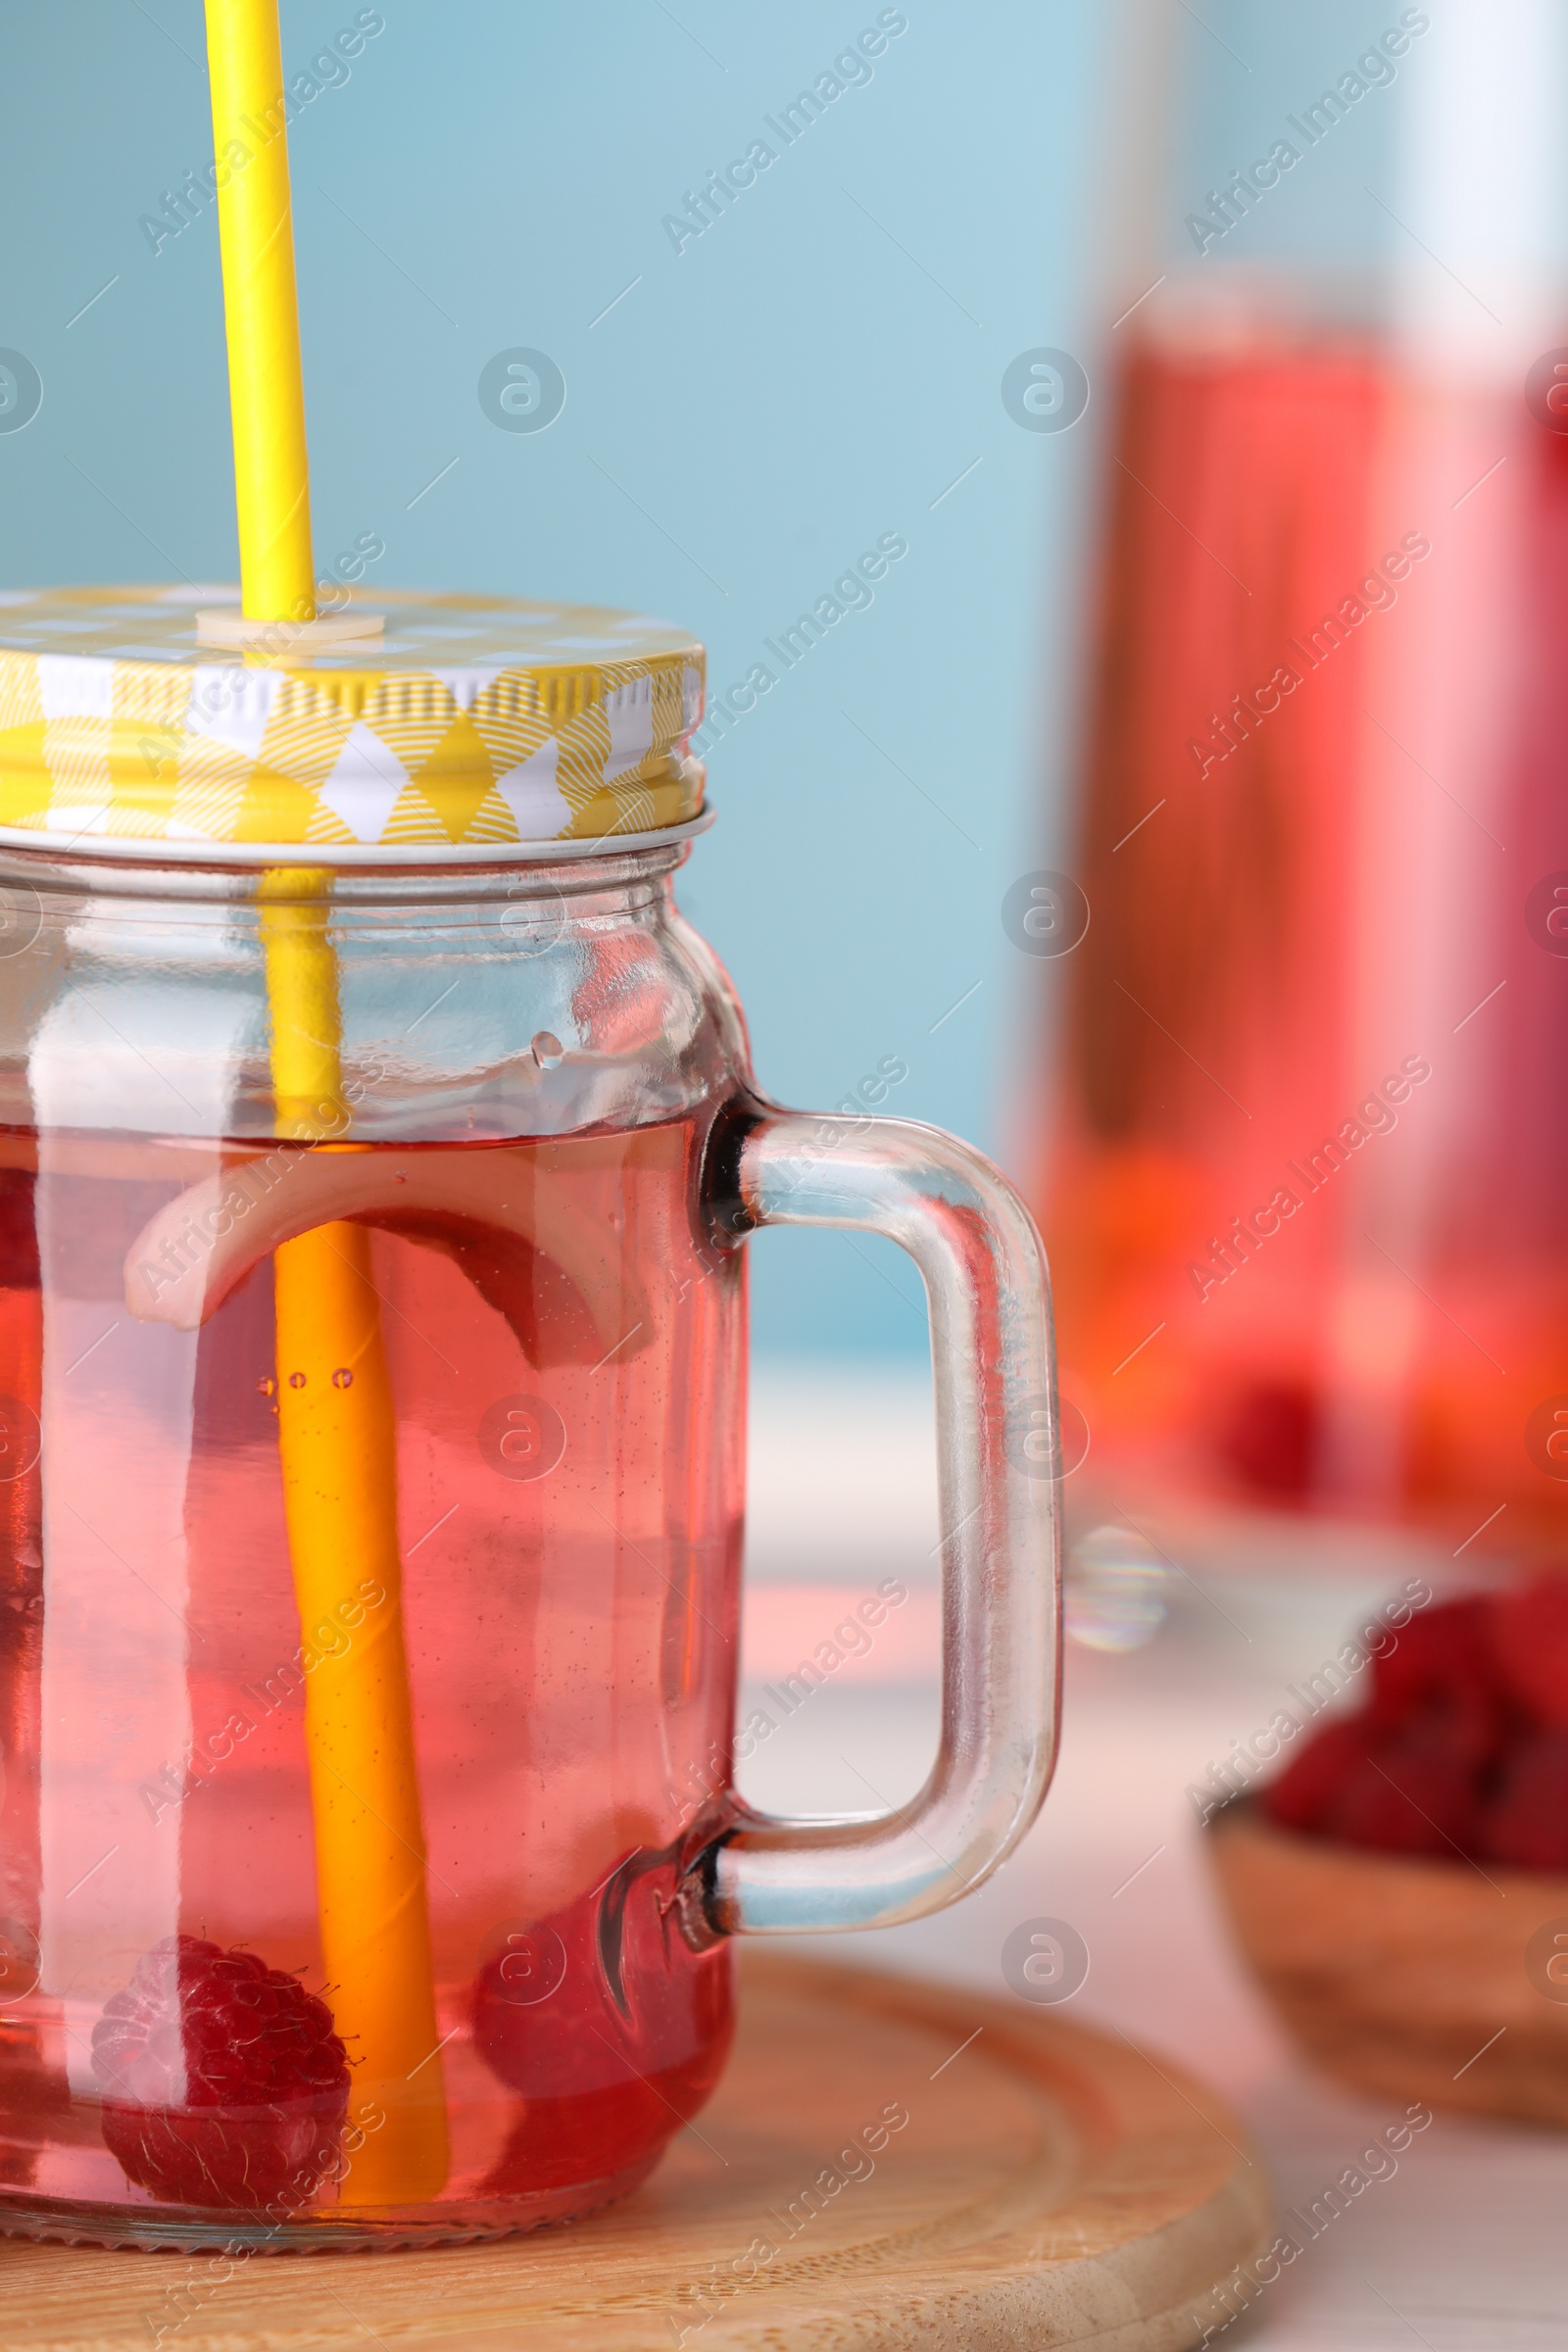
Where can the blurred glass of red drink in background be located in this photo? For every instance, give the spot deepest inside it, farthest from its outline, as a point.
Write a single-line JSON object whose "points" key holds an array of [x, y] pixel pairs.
{"points": [[1304, 1177]]}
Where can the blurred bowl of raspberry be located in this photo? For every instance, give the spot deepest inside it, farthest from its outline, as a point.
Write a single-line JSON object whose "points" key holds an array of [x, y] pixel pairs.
{"points": [[1401, 1889]]}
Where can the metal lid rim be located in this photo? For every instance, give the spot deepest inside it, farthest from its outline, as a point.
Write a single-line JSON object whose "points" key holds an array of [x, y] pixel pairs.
{"points": [[408, 856]]}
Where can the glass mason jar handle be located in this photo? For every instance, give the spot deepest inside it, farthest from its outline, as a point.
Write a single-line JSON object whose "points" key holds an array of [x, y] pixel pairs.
{"points": [[985, 1277]]}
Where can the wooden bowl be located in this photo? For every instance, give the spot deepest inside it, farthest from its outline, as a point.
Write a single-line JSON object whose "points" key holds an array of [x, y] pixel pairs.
{"points": [[1445, 1982]]}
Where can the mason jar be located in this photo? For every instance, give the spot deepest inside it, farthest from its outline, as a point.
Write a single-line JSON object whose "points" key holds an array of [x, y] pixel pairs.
{"points": [[378, 1149]]}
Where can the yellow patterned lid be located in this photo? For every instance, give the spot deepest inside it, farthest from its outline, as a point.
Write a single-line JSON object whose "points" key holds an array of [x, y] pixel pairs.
{"points": [[471, 720]]}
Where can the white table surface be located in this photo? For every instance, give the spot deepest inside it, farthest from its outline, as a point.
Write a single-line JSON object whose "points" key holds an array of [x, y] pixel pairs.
{"points": [[1465, 2247]]}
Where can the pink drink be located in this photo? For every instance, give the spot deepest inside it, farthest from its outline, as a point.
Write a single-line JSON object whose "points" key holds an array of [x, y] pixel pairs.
{"points": [[571, 1513], [1303, 1185]]}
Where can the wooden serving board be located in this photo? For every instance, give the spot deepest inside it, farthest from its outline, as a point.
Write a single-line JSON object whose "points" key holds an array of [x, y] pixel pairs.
{"points": [[1047, 2186]]}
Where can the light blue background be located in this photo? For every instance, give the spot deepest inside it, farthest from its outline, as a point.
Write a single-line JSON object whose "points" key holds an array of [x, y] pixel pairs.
{"points": [[816, 369], [1247, 67]]}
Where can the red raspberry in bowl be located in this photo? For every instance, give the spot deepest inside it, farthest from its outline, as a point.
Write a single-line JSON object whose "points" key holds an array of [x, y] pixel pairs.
{"points": [[1530, 1643], [1441, 1675], [1462, 1749], [1299, 1797], [224, 2083], [1413, 1793], [1526, 1823]]}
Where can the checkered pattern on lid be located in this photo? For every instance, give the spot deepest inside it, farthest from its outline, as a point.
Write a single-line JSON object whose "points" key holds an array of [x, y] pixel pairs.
{"points": [[474, 719]]}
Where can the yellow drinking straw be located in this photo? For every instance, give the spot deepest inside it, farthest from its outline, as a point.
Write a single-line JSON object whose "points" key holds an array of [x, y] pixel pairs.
{"points": [[260, 308], [337, 1431]]}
